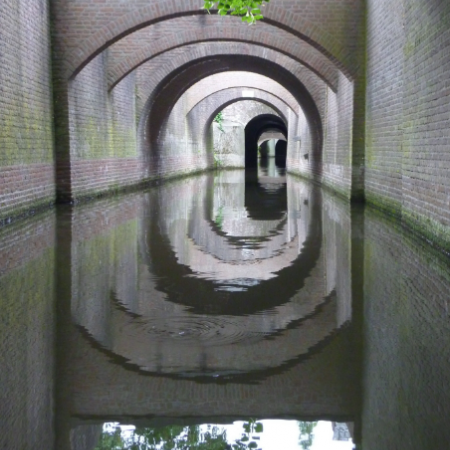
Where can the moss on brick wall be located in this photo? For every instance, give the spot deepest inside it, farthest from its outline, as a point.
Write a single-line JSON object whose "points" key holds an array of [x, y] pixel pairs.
{"points": [[26, 118]]}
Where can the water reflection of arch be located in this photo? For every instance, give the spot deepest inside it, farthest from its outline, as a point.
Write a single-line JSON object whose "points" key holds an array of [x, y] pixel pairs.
{"points": [[222, 228], [170, 243], [145, 336]]}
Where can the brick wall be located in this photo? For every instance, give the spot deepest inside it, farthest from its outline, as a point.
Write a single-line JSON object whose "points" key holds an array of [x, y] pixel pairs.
{"points": [[26, 136], [229, 142], [95, 51], [408, 113], [426, 116], [154, 72], [159, 41], [322, 38], [161, 103], [337, 163], [300, 159], [103, 150], [384, 111], [212, 94], [331, 165]]}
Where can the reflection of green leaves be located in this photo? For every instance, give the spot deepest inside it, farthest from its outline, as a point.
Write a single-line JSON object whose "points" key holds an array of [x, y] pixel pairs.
{"points": [[173, 437], [111, 439], [219, 218], [306, 434], [250, 429], [249, 10], [176, 437]]}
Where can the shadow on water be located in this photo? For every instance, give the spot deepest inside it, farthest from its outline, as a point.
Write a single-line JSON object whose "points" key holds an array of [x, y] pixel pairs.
{"points": [[216, 298]]}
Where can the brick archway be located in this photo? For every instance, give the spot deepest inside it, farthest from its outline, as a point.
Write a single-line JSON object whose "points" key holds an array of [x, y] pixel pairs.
{"points": [[151, 74], [83, 35], [225, 98], [225, 143], [127, 54], [171, 89]]}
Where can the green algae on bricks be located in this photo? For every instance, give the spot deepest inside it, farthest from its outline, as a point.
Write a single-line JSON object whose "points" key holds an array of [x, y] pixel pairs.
{"points": [[437, 259], [390, 207], [336, 190], [423, 227], [433, 231]]}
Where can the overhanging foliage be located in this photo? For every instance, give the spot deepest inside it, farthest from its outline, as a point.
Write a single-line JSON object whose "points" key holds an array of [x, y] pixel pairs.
{"points": [[249, 10]]}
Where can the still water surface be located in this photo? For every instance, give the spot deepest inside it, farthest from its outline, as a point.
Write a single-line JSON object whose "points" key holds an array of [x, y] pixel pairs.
{"points": [[215, 299]]}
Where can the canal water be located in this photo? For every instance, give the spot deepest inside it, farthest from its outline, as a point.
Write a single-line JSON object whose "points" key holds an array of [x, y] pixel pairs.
{"points": [[158, 319]]}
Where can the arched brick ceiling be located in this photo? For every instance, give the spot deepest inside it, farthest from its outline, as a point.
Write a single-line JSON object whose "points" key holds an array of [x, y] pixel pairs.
{"points": [[85, 28], [245, 81], [151, 74], [221, 99], [210, 105], [136, 48], [268, 135], [160, 103]]}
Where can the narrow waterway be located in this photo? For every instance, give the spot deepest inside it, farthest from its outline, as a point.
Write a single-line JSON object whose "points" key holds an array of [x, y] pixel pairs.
{"points": [[219, 298]]}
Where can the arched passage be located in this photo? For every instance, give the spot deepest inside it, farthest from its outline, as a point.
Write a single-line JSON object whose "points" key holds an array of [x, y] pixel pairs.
{"points": [[143, 56], [127, 54], [268, 135], [170, 90], [102, 30], [281, 154], [254, 129]]}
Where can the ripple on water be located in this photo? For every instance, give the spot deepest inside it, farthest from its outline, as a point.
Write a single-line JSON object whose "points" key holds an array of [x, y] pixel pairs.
{"points": [[210, 331]]}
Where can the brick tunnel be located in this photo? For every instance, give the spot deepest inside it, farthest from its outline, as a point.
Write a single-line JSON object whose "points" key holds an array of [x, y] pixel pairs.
{"points": [[101, 97], [136, 88]]}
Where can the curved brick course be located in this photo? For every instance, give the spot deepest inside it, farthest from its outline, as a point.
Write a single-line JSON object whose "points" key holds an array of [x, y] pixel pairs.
{"points": [[85, 28], [152, 73], [241, 82], [214, 103], [170, 90], [143, 45], [200, 117]]}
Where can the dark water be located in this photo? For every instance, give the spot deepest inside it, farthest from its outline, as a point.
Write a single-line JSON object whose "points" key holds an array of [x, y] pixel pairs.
{"points": [[212, 300]]}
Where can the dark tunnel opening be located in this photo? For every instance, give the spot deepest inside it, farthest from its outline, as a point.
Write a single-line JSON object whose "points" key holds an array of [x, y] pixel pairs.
{"points": [[254, 129]]}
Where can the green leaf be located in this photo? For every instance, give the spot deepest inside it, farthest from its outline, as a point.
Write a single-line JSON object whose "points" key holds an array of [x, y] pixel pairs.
{"points": [[259, 427], [253, 444]]}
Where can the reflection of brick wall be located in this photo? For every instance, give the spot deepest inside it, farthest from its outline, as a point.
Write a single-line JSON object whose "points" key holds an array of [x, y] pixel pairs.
{"points": [[103, 258], [406, 396], [26, 241], [318, 386], [27, 286], [323, 384]]}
